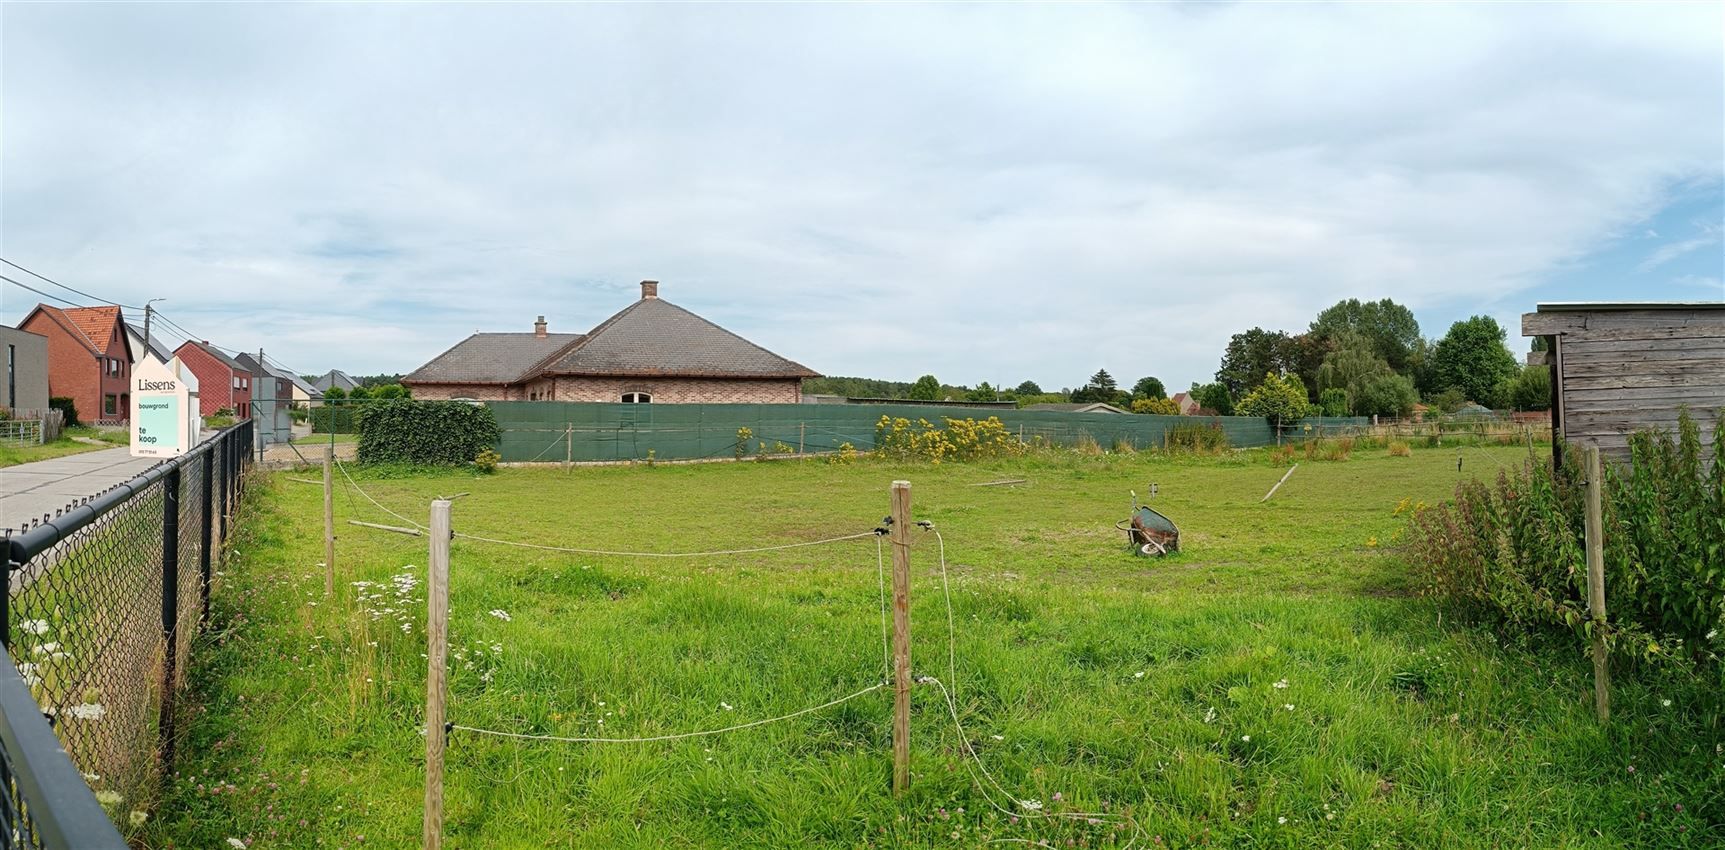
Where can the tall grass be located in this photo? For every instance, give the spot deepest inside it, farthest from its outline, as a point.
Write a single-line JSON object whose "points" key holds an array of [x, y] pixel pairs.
{"points": [[1199, 438]]}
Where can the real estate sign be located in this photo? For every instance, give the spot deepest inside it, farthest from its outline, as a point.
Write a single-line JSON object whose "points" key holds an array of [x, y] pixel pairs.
{"points": [[163, 410]]}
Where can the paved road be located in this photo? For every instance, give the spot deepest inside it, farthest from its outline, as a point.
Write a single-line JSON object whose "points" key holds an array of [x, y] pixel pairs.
{"points": [[30, 490]]}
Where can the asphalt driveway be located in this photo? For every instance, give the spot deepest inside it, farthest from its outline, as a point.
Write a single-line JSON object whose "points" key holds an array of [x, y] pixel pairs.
{"points": [[29, 490]]}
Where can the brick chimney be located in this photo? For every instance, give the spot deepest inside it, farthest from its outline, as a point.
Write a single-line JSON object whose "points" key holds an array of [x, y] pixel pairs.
{"points": [[539, 327], [649, 289]]}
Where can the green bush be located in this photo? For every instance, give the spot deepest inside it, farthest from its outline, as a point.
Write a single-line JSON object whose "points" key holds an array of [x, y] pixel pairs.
{"points": [[65, 405], [1203, 438], [1514, 550], [428, 433]]}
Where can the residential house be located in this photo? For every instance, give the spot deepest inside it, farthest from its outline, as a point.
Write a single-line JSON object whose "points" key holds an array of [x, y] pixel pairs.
{"points": [[335, 378], [223, 382], [1075, 407], [26, 370], [651, 352], [303, 391], [156, 348], [89, 359], [272, 396], [1187, 405]]}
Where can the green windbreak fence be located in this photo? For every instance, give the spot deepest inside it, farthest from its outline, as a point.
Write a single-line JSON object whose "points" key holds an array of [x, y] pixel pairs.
{"points": [[550, 431]]}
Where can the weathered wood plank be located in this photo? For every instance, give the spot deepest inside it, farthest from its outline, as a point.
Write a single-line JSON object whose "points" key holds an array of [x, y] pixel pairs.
{"points": [[1702, 366], [1594, 322], [1711, 380], [1705, 351], [1611, 419], [1593, 345], [1606, 403], [1644, 394]]}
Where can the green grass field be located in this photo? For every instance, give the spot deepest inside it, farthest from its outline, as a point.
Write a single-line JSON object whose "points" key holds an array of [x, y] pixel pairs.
{"points": [[14, 455], [1276, 684]]}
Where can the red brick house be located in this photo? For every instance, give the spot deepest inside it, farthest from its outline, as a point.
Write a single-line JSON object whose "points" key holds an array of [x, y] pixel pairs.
{"points": [[651, 351], [222, 381], [89, 359]]}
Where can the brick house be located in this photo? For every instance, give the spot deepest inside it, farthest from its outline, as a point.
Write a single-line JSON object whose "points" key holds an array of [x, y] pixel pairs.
{"points": [[89, 359], [1186, 404], [223, 382], [652, 351]]}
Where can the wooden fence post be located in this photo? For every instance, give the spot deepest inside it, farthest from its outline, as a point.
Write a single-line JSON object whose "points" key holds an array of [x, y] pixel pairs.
{"points": [[437, 649], [901, 637], [1596, 584], [328, 520]]}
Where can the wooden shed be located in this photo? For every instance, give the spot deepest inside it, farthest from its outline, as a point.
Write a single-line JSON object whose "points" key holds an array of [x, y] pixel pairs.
{"points": [[1617, 368]]}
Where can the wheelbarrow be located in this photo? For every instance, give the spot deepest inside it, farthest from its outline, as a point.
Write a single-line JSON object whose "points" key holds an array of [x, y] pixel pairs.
{"points": [[1150, 533]]}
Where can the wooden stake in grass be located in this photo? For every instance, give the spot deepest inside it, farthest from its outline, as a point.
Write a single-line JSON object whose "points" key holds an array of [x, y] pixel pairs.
{"points": [[1279, 484], [1596, 585], [901, 637], [437, 649], [328, 520]]}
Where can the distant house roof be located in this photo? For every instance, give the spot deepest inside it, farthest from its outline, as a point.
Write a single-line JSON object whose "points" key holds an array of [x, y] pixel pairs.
{"points": [[653, 337], [492, 358], [262, 369], [334, 378], [161, 351], [304, 387], [1074, 407], [218, 354], [83, 324]]}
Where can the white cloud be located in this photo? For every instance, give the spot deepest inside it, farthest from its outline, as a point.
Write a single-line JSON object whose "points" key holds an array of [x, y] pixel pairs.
{"points": [[1709, 234], [988, 194]]}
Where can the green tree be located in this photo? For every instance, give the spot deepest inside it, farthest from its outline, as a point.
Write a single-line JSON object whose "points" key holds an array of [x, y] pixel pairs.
{"points": [[1149, 388], [360, 393], [1281, 399], [1334, 401], [390, 391], [1472, 357], [335, 394], [1347, 368], [1158, 406], [1532, 389], [983, 392], [926, 388], [1249, 357], [1386, 394], [1450, 400], [1389, 328], [1028, 388], [1214, 396], [1100, 388]]}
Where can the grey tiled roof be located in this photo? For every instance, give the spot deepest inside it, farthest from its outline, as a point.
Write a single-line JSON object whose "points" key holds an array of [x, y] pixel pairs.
{"points": [[654, 337], [156, 347], [334, 378], [491, 358]]}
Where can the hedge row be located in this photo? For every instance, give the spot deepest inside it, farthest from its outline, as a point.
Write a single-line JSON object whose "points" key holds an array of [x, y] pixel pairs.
{"points": [[424, 432]]}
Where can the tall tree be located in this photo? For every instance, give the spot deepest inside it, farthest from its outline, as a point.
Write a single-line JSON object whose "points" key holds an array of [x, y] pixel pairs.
{"points": [[1214, 396], [1389, 327], [1149, 388], [1354, 362], [1472, 357], [1028, 388], [983, 392], [1532, 390], [1101, 387], [1250, 356], [1281, 399], [1386, 394], [926, 388]]}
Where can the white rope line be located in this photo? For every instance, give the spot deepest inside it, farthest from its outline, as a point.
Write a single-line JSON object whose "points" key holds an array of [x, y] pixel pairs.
{"points": [[581, 551], [951, 701], [562, 435], [355, 485], [675, 737], [751, 550]]}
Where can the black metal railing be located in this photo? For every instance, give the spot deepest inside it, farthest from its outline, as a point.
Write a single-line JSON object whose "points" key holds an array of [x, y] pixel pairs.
{"points": [[104, 599]]}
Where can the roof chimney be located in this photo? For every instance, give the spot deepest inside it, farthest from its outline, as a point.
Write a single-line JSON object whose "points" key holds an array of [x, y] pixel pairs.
{"points": [[649, 289], [539, 327]]}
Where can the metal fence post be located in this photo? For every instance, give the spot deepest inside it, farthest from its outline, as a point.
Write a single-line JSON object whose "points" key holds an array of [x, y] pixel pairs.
{"points": [[221, 451], [170, 608], [204, 539]]}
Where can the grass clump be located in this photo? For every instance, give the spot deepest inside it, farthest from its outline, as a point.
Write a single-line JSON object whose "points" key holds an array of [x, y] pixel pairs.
{"points": [[1400, 448]]}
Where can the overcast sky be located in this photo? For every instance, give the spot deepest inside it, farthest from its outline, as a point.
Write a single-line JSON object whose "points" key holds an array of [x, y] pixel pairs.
{"points": [[982, 192]]}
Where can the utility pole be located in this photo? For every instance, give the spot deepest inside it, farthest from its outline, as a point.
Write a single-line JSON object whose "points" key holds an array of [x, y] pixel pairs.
{"points": [[148, 311]]}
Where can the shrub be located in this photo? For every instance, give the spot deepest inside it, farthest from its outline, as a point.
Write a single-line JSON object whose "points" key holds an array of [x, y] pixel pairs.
{"points": [[67, 407], [1329, 449], [427, 433], [1124, 445], [847, 454], [1203, 438], [744, 434], [961, 439], [1513, 550], [487, 460], [1157, 406], [1400, 448]]}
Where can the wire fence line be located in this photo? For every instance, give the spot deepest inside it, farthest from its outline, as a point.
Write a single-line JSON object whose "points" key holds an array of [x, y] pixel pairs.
{"points": [[675, 736], [103, 602]]}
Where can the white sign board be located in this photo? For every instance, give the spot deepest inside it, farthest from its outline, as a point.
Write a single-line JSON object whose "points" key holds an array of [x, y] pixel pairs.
{"points": [[163, 410]]}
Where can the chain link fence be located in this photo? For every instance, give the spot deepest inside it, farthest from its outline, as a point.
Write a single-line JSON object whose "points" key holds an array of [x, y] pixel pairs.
{"points": [[104, 601]]}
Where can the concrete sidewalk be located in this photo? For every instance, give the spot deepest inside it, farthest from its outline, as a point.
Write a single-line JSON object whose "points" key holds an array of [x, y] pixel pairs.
{"points": [[29, 490]]}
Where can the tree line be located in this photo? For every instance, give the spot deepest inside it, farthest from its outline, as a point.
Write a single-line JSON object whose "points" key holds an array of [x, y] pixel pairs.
{"points": [[1355, 358]]}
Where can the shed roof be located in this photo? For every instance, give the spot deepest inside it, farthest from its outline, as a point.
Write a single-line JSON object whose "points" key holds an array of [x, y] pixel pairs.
{"points": [[1603, 306], [1076, 407], [492, 358], [653, 337]]}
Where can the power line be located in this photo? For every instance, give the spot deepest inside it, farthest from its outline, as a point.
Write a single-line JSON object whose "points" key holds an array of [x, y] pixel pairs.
{"points": [[40, 292], [63, 286]]}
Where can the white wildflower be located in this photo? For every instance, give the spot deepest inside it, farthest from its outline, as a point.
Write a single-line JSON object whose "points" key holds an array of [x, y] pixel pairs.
{"points": [[40, 627], [47, 648], [1281, 820], [1246, 738], [138, 817], [1030, 805], [87, 711], [1665, 702], [500, 614], [1210, 715], [1280, 684], [235, 842], [998, 737], [725, 705], [109, 798], [1288, 706], [1138, 675]]}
